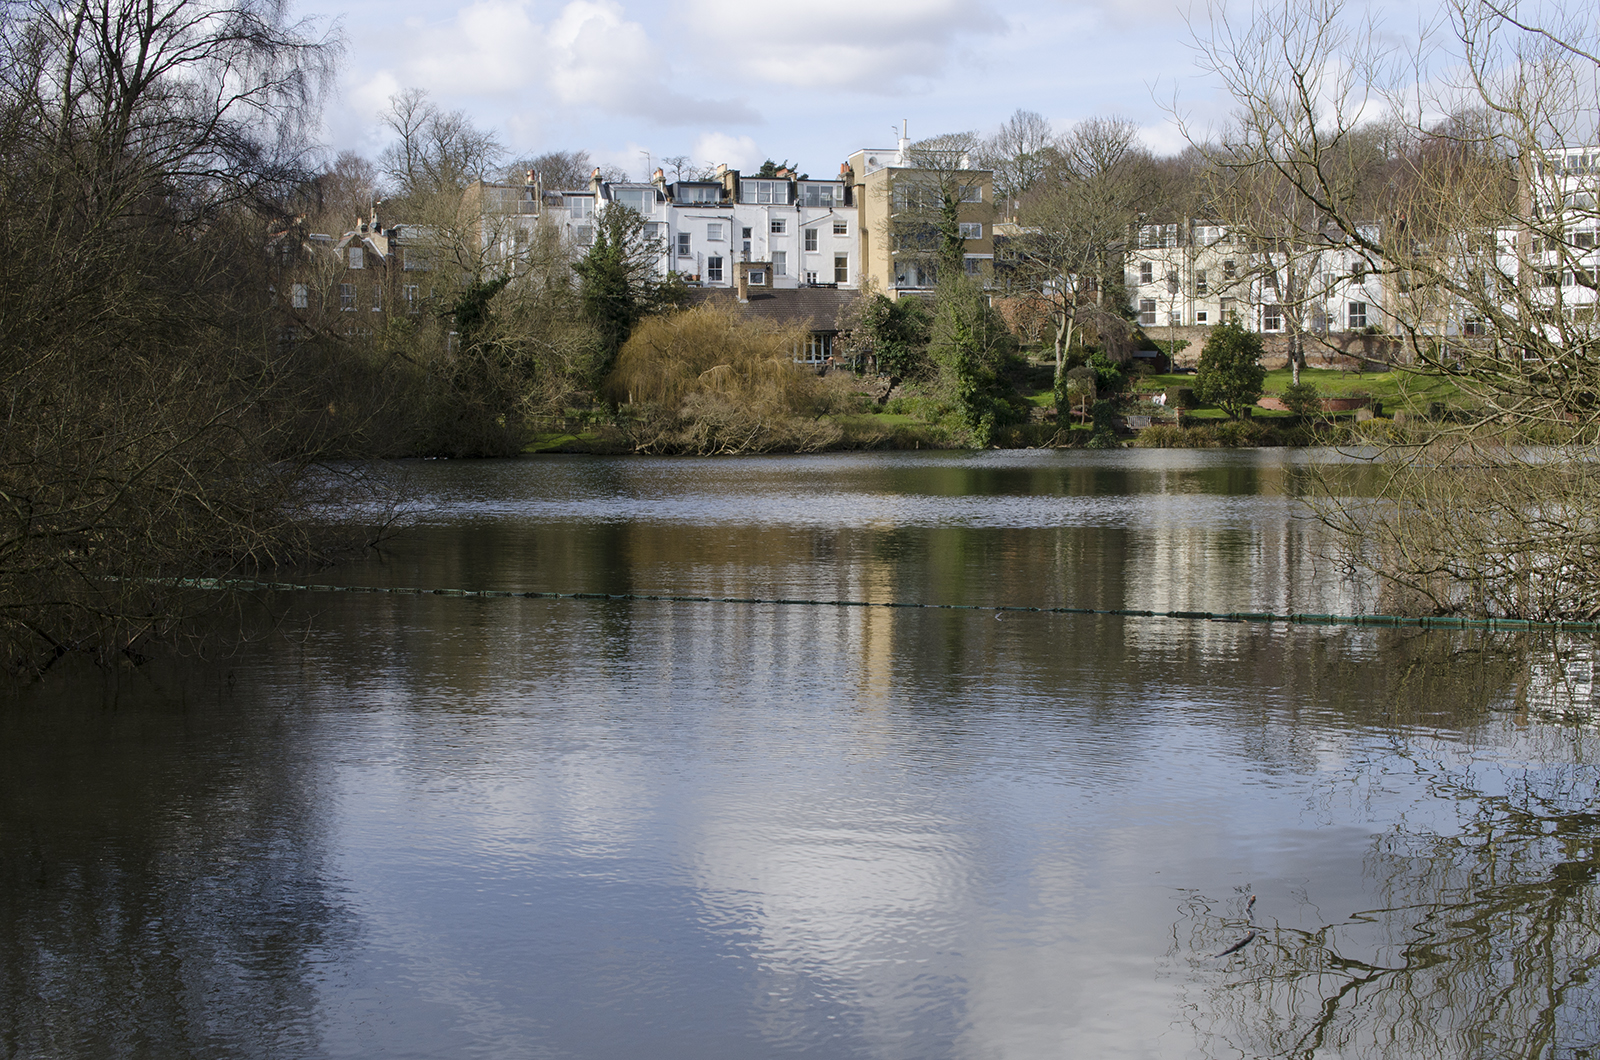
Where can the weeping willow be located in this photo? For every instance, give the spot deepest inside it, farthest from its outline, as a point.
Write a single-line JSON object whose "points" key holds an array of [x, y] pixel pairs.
{"points": [[708, 380]]}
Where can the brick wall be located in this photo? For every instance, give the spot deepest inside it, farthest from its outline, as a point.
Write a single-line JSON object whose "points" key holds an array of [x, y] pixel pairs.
{"points": [[1345, 350]]}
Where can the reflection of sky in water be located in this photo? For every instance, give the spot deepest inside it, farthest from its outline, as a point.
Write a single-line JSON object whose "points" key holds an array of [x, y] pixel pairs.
{"points": [[612, 830]]}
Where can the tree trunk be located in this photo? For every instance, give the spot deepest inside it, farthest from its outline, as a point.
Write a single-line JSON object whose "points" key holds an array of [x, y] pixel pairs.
{"points": [[1063, 341]]}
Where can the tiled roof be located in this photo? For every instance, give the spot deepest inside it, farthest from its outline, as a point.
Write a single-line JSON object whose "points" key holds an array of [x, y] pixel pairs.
{"points": [[816, 306]]}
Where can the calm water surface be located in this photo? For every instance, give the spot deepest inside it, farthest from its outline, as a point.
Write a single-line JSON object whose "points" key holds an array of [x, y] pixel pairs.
{"points": [[425, 826]]}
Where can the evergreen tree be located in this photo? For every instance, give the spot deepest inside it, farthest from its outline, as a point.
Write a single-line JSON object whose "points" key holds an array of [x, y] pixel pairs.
{"points": [[1230, 375], [617, 281]]}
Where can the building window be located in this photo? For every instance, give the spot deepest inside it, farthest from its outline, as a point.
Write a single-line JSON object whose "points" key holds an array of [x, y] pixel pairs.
{"points": [[758, 277], [377, 298], [1147, 272], [811, 278], [1147, 312], [779, 226], [1172, 281], [1272, 318], [780, 263], [972, 265], [841, 268], [744, 233], [972, 230], [580, 206], [409, 293], [684, 250], [1201, 317], [357, 258], [841, 228], [1475, 326], [1356, 315], [765, 192], [347, 297], [714, 269], [915, 274], [300, 299], [635, 199], [818, 348], [821, 195], [1229, 270], [585, 234], [972, 193], [1199, 282], [1358, 271], [1174, 318], [714, 232], [811, 239]]}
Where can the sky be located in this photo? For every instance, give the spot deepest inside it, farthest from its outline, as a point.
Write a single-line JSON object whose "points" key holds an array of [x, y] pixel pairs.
{"points": [[737, 81]]}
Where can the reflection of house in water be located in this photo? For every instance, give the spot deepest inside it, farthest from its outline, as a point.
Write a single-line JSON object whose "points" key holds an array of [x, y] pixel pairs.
{"points": [[1560, 677], [1177, 567], [873, 635]]}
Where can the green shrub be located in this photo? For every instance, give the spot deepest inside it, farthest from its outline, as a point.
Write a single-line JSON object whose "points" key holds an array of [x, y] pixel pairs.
{"points": [[1230, 375], [1303, 399]]}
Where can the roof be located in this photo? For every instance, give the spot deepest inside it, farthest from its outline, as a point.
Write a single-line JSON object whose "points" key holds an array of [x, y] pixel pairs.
{"points": [[816, 307]]}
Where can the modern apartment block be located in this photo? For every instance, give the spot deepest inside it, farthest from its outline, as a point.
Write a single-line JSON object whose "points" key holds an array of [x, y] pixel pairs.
{"points": [[898, 191]]}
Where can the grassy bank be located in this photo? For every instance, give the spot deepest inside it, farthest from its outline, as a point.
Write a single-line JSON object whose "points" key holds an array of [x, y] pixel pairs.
{"points": [[916, 419]]}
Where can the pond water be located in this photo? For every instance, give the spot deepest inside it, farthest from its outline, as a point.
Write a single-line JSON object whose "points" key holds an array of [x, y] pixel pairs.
{"points": [[435, 826]]}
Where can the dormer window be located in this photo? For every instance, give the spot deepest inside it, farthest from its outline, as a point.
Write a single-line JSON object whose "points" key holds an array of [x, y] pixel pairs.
{"points": [[758, 277], [823, 196], [641, 201], [764, 192]]}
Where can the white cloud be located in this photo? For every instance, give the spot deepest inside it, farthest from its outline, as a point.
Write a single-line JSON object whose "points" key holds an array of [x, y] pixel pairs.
{"points": [[840, 44], [737, 152], [588, 57]]}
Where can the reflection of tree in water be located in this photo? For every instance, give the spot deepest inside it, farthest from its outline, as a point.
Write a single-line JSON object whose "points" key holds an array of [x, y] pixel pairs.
{"points": [[164, 889], [1484, 944]]}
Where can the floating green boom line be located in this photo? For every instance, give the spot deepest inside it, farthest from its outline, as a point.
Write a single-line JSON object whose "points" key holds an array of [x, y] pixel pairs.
{"points": [[1300, 619]]}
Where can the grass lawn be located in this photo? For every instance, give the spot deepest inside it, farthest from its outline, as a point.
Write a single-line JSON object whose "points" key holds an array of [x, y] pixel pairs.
{"points": [[544, 443], [1396, 389]]}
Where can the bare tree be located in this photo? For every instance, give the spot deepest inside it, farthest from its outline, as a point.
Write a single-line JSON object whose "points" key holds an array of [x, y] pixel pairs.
{"points": [[1486, 239], [343, 193], [434, 151], [558, 170], [1074, 224], [1019, 154], [143, 440]]}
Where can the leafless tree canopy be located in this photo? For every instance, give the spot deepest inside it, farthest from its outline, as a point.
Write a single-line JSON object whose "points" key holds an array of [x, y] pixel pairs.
{"points": [[434, 150], [1447, 167], [1019, 154], [1075, 220], [558, 170], [143, 441]]}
